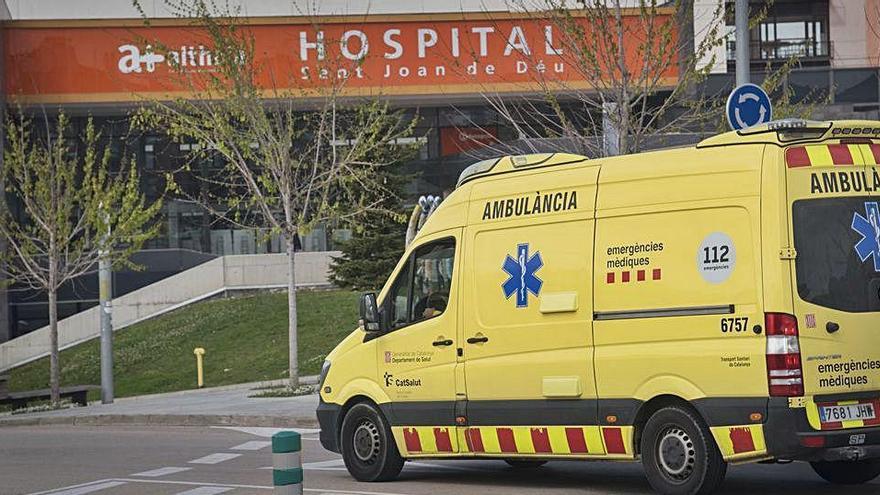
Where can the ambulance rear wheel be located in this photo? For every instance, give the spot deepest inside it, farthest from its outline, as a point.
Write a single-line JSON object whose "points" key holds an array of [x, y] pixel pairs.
{"points": [[848, 473], [524, 463], [368, 447], [679, 454]]}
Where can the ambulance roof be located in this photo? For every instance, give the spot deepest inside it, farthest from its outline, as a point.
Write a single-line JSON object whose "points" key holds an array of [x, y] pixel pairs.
{"points": [[779, 133], [788, 131]]}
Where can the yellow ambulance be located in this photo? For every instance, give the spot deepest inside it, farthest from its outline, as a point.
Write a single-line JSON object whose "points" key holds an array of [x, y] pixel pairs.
{"points": [[690, 308]]}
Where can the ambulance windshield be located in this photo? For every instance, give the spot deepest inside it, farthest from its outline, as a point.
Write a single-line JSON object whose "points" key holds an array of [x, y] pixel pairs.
{"points": [[838, 252]]}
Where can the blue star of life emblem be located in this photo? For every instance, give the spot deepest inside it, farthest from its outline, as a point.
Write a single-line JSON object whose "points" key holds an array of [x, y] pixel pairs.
{"points": [[869, 228], [522, 275]]}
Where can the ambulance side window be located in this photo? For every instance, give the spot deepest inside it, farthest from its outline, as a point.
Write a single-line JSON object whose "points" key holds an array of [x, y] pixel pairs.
{"points": [[398, 297], [432, 280], [422, 287]]}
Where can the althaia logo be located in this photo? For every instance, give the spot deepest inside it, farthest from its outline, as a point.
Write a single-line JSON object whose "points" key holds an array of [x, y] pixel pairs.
{"points": [[133, 60], [186, 58]]}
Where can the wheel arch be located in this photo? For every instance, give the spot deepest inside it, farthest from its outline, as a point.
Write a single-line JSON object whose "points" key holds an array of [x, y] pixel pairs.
{"points": [[647, 409], [351, 402]]}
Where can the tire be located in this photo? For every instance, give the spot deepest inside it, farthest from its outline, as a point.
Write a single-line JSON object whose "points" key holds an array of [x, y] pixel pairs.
{"points": [[848, 473], [367, 445], [679, 454], [524, 463]]}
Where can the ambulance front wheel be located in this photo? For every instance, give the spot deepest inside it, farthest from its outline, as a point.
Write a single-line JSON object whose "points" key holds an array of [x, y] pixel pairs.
{"points": [[679, 454], [368, 447], [848, 473]]}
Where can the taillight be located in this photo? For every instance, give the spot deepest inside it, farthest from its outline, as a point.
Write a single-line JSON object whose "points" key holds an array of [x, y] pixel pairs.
{"points": [[784, 372]]}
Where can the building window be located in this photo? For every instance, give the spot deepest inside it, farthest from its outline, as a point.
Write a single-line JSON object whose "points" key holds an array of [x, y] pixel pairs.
{"points": [[790, 29]]}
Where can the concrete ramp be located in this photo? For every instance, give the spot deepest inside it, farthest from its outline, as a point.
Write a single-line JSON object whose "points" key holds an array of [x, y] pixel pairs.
{"points": [[226, 273]]}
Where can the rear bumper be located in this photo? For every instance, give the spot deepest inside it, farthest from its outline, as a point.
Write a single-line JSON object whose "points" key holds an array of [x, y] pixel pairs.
{"points": [[787, 432], [328, 419]]}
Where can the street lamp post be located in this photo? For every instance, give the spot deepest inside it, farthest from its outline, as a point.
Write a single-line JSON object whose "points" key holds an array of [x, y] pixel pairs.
{"points": [[105, 296]]}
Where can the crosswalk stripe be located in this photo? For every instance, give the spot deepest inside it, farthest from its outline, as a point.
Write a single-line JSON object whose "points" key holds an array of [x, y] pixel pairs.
{"points": [[214, 458], [252, 445], [82, 490], [155, 473], [206, 490]]}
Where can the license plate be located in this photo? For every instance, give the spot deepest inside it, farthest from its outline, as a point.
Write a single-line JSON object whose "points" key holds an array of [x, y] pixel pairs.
{"points": [[852, 412]]}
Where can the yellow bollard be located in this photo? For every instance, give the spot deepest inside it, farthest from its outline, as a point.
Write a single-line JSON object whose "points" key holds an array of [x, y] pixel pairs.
{"points": [[199, 352]]}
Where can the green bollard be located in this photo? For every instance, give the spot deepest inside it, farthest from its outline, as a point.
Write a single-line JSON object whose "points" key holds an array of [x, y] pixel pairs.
{"points": [[287, 472]]}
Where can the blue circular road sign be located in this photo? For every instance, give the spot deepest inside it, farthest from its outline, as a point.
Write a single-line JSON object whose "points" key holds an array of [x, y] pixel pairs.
{"points": [[748, 105]]}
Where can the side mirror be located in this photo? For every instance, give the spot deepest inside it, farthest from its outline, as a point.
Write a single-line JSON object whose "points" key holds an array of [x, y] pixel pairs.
{"points": [[370, 313]]}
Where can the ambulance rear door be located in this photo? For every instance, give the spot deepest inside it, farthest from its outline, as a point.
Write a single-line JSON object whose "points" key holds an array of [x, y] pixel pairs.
{"points": [[835, 232]]}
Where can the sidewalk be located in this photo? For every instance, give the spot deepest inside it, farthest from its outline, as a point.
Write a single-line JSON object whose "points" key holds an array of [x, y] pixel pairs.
{"points": [[228, 405]]}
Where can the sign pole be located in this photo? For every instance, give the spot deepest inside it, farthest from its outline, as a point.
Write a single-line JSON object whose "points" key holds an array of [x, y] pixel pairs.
{"points": [[105, 296], [742, 42]]}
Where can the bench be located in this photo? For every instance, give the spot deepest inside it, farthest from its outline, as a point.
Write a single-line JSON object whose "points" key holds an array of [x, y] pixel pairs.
{"points": [[77, 394]]}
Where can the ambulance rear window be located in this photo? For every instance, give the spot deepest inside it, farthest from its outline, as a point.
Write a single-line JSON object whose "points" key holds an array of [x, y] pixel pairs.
{"points": [[838, 252]]}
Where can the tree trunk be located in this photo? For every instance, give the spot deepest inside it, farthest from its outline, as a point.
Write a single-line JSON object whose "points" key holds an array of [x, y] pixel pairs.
{"points": [[293, 348], [623, 102], [54, 370]]}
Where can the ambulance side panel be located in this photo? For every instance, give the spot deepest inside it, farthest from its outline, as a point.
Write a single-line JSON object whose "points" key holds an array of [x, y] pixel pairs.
{"points": [[678, 296], [527, 291]]}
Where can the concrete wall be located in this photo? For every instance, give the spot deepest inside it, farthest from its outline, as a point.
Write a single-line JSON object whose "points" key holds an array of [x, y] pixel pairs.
{"points": [[849, 31], [854, 31], [707, 15], [227, 273]]}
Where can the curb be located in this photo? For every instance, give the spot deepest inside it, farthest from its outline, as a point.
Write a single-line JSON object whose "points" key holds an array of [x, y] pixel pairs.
{"points": [[252, 386], [165, 420]]}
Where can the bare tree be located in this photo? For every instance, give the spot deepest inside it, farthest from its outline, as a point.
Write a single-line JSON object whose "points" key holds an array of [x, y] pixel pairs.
{"points": [[72, 210], [624, 62], [294, 157], [632, 71]]}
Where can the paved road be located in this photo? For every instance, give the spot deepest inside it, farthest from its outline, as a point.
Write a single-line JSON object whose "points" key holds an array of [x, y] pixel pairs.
{"points": [[67, 460]]}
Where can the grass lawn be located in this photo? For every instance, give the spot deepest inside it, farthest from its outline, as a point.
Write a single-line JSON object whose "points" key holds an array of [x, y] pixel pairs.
{"points": [[245, 340]]}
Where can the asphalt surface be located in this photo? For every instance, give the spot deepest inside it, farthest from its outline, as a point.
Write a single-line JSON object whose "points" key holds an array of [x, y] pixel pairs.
{"points": [[79, 460]]}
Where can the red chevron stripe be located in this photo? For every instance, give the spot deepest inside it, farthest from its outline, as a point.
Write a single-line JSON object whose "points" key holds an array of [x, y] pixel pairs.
{"points": [[411, 438], [506, 440], [541, 440], [613, 440], [872, 422], [475, 440], [576, 442], [840, 154], [832, 426], [441, 437], [875, 150], [742, 440], [797, 157]]}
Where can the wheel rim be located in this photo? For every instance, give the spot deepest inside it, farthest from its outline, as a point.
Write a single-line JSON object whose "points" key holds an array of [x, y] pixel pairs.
{"points": [[366, 442], [676, 455]]}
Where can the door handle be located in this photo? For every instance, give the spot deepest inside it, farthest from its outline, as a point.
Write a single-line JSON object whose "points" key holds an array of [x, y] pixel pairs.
{"points": [[442, 343], [479, 339], [832, 327]]}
